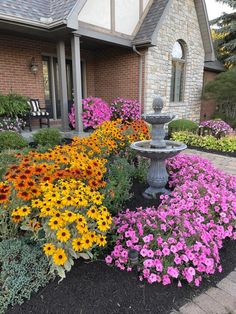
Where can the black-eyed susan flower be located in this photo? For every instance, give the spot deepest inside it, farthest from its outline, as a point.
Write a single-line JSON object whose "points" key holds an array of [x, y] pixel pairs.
{"points": [[55, 223], [24, 195], [69, 216], [3, 197], [59, 257], [63, 235], [103, 225], [49, 249], [24, 211], [81, 219], [87, 241], [101, 240], [36, 203], [77, 244], [93, 212], [46, 211], [16, 218]]}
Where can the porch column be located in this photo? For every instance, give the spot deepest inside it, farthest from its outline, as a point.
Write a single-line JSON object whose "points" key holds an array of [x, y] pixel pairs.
{"points": [[53, 81], [61, 57], [77, 84]]}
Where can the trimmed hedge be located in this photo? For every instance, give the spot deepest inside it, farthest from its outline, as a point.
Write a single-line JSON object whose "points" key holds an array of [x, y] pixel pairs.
{"points": [[182, 125]]}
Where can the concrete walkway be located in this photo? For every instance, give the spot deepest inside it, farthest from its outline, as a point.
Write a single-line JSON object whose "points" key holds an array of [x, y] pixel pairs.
{"points": [[224, 163], [222, 298], [218, 300]]}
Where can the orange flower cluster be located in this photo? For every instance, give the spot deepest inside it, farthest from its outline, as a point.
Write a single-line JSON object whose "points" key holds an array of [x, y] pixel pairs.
{"points": [[112, 137], [4, 192], [84, 159], [59, 190]]}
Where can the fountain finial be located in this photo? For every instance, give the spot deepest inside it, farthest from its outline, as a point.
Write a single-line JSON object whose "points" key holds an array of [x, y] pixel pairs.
{"points": [[157, 104]]}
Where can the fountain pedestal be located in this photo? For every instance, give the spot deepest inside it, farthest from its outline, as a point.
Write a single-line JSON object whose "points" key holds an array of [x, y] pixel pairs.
{"points": [[157, 179], [158, 150]]}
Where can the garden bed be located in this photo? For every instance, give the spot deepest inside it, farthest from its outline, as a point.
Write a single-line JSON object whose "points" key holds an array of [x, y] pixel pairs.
{"points": [[94, 287], [69, 197]]}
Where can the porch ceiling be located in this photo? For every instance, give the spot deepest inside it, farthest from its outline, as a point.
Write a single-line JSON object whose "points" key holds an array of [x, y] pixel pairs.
{"points": [[96, 44]]}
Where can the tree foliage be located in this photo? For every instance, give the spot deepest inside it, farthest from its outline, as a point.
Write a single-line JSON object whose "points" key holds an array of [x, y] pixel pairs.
{"points": [[223, 91], [224, 35]]}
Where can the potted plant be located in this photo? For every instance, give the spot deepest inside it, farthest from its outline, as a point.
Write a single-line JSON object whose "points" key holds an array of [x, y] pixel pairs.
{"points": [[13, 107]]}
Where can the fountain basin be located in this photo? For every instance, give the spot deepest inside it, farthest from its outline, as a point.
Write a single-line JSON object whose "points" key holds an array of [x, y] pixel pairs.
{"points": [[144, 149], [160, 119]]}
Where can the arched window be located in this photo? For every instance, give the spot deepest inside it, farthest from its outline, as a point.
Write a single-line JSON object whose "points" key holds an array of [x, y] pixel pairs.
{"points": [[177, 78]]}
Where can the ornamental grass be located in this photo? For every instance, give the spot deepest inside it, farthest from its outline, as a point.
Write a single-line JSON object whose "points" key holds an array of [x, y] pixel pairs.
{"points": [[55, 197]]}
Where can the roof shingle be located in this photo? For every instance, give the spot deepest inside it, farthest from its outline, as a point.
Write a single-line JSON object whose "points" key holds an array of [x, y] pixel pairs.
{"points": [[36, 9], [150, 22]]}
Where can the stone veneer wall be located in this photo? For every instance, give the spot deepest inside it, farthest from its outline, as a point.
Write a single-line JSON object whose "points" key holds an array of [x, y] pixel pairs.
{"points": [[180, 23]]}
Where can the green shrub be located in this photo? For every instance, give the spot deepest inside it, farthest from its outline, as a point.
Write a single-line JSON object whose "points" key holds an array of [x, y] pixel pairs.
{"points": [[182, 125], [13, 105], [119, 183], [11, 140], [140, 170], [47, 137], [224, 144], [24, 270]]}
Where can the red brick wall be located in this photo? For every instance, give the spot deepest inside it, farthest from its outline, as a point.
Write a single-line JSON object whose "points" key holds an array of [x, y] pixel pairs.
{"points": [[110, 72], [15, 58], [208, 106], [116, 73]]}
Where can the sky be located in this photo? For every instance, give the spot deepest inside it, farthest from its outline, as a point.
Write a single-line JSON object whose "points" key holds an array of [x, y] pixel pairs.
{"points": [[216, 8]]}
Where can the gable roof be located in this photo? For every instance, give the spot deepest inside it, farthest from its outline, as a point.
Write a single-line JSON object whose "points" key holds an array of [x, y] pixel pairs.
{"points": [[41, 11], [147, 32], [150, 22], [51, 13]]}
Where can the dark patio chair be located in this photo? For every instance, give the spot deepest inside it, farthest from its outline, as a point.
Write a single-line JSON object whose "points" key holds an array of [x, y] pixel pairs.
{"points": [[36, 112]]}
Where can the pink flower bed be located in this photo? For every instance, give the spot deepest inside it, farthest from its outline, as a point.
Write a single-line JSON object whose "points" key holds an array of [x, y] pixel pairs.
{"points": [[180, 240], [95, 112], [126, 109], [217, 127]]}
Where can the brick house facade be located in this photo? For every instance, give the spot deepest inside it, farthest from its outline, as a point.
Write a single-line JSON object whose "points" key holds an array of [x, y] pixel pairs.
{"points": [[134, 65], [110, 72]]}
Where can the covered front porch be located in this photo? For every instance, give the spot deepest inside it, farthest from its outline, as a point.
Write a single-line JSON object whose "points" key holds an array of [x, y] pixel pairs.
{"points": [[70, 66]]}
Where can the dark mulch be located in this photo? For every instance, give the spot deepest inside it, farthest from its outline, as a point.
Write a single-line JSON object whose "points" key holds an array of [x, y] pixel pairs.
{"points": [[94, 288], [214, 151]]}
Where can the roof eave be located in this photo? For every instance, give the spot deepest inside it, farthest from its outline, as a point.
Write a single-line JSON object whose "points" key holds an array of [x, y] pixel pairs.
{"points": [[24, 21], [213, 70]]}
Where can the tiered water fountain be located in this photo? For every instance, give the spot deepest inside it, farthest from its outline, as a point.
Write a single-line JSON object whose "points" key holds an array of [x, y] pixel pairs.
{"points": [[157, 149]]}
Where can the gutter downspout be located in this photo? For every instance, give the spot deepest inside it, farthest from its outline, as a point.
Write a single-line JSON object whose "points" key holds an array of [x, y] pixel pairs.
{"points": [[140, 79]]}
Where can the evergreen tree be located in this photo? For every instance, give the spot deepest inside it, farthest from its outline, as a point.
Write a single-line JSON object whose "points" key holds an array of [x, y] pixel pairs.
{"points": [[225, 35]]}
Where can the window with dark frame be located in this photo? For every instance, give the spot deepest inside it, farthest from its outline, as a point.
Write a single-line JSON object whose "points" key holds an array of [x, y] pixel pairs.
{"points": [[178, 69]]}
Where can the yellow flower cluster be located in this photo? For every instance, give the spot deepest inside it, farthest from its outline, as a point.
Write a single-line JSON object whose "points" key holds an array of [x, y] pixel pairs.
{"points": [[72, 216]]}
